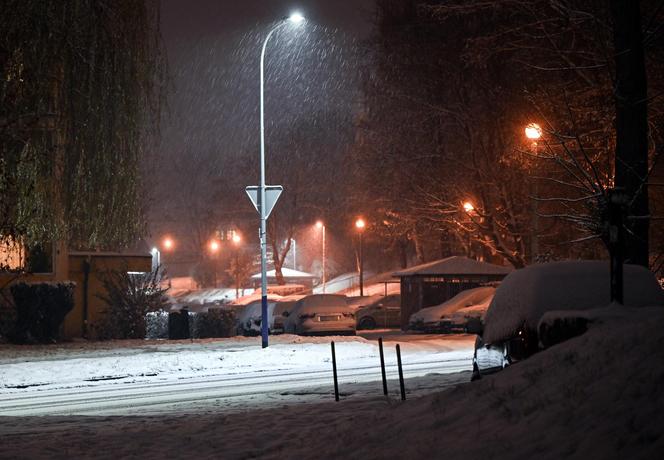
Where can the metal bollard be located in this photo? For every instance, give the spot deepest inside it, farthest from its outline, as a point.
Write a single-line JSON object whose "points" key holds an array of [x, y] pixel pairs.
{"points": [[401, 385], [334, 373], [382, 365]]}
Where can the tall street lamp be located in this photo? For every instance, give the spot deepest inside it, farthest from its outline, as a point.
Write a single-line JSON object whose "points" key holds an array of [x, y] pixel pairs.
{"points": [[321, 226], [360, 225], [533, 132], [294, 18], [214, 247]]}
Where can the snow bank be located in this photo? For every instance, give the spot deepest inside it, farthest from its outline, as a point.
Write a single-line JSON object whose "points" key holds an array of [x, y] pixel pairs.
{"points": [[596, 396], [525, 295]]}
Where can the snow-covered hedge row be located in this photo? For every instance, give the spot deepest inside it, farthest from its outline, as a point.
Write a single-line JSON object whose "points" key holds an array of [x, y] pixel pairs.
{"points": [[213, 323]]}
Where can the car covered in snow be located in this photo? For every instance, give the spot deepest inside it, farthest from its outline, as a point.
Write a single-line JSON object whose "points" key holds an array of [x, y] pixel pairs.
{"points": [[281, 311], [525, 296], [469, 320], [321, 314], [250, 318], [429, 319], [385, 312]]}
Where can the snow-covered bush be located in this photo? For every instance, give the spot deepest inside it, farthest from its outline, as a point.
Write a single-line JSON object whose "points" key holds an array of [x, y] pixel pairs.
{"points": [[40, 310], [156, 325], [216, 322]]}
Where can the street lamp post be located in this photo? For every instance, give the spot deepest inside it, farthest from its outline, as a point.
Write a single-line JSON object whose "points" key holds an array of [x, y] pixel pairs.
{"points": [[534, 132], [295, 18], [321, 225], [360, 225]]}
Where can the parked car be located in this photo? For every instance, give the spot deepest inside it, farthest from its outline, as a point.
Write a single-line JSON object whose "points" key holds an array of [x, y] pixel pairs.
{"points": [[384, 312], [321, 314], [468, 319], [511, 323], [281, 312], [250, 318], [429, 319]]}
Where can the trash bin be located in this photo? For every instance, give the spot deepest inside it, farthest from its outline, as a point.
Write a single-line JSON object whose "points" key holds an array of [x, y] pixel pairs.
{"points": [[178, 325]]}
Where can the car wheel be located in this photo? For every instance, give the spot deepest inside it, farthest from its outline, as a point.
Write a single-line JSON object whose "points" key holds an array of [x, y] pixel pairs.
{"points": [[367, 323]]}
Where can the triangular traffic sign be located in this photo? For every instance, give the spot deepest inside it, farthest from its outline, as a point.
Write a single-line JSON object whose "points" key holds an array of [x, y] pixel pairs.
{"points": [[272, 193]]}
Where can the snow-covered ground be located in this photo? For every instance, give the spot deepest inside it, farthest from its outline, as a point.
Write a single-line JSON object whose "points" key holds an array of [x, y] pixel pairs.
{"points": [[150, 377], [599, 395]]}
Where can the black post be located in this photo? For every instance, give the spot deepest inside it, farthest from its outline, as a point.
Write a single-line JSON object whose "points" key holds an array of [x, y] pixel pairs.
{"points": [[334, 373], [616, 210], [401, 385], [382, 365]]}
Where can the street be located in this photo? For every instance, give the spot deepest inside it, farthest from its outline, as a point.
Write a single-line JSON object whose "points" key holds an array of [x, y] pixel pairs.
{"points": [[228, 374]]}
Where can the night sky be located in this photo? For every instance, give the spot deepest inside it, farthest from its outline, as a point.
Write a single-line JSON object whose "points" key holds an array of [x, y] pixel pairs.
{"points": [[213, 50]]}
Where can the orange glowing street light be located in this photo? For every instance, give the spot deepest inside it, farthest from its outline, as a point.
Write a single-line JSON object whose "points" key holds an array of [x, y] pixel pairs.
{"points": [[214, 246], [237, 239], [468, 207], [360, 225], [321, 226], [168, 243], [533, 131]]}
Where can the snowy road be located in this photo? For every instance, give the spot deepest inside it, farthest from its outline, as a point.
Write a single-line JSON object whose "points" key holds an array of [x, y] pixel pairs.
{"points": [[226, 375]]}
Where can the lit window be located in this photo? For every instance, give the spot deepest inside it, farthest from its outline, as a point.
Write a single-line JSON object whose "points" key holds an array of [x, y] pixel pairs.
{"points": [[12, 254]]}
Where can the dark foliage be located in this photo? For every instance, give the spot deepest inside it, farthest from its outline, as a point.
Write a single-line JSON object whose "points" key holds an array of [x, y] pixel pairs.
{"points": [[213, 323], [129, 297], [40, 310]]}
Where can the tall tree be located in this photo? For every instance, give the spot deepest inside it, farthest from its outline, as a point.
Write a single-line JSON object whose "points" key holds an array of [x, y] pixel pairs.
{"points": [[80, 93]]}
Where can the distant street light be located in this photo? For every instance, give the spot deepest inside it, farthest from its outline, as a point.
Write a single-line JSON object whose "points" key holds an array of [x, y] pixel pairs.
{"points": [[168, 244], [360, 225], [533, 131], [320, 225], [294, 18], [468, 207], [214, 247]]}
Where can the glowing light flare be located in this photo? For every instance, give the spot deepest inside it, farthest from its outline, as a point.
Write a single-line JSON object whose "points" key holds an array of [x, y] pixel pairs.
{"points": [[237, 239], [320, 224], [296, 17], [168, 243], [214, 246], [468, 207], [360, 224], [533, 131]]}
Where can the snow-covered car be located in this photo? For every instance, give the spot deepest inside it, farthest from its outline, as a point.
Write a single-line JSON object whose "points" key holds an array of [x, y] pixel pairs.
{"points": [[384, 312], [429, 319], [250, 318], [511, 323], [321, 314], [281, 311], [468, 319]]}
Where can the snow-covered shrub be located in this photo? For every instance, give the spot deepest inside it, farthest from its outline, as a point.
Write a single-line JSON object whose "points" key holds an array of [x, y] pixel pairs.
{"points": [[129, 297], [156, 325], [40, 310], [215, 322]]}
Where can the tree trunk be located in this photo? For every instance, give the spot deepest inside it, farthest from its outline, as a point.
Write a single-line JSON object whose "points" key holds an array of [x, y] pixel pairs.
{"points": [[631, 162]]}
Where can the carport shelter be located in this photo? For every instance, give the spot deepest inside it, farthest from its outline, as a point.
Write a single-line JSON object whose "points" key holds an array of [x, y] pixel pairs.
{"points": [[435, 282]]}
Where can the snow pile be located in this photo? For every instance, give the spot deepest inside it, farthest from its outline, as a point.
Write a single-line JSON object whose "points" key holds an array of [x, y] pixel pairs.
{"points": [[525, 295]]}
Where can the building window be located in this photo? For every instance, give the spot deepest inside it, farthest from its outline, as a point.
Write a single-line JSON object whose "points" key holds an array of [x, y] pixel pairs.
{"points": [[12, 254], [16, 256]]}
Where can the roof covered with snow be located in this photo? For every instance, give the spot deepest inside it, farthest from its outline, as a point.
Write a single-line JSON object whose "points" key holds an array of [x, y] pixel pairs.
{"points": [[287, 272], [455, 265]]}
